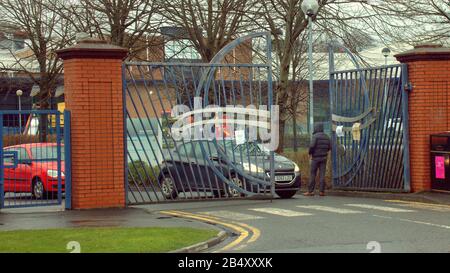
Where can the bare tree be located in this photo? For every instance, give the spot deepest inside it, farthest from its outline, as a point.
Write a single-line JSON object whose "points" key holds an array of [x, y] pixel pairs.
{"points": [[127, 23], [208, 24], [286, 21], [414, 21], [336, 19], [45, 32]]}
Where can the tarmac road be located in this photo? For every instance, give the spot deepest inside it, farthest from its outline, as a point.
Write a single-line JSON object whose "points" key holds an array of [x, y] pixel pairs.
{"points": [[330, 224]]}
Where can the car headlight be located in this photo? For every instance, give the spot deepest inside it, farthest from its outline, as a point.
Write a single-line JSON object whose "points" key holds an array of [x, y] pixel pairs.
{"points": [[297, 169], [252, 168], [54, 173]]}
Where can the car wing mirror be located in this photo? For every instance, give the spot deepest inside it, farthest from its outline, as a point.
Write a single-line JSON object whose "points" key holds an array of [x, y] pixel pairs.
{"points": [[214, 158]]}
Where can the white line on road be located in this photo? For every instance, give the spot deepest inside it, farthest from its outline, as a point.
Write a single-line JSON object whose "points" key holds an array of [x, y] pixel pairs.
{"points": [[413, 221], [331, 209], [382, 208], [420, 205], [281, 212], [232, 215]]}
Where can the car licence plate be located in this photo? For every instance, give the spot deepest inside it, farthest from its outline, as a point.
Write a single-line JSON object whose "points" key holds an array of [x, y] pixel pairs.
{"points": [[283, 178]]}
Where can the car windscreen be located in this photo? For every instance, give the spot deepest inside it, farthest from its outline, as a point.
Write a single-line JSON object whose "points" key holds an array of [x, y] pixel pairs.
{"points": [[209, 148], [245, 149], [46, 153]]}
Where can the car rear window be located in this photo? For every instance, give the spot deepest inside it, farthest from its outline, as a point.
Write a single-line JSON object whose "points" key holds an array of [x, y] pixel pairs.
{"points": [[46, 153]]}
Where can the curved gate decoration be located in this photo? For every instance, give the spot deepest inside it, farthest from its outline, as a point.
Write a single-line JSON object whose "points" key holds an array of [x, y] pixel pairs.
{"points": [[371, 103], [170, 107]]}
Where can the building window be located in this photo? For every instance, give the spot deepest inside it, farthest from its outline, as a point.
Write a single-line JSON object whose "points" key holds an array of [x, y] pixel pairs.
{"points": [[180, 49], [19, 44]]}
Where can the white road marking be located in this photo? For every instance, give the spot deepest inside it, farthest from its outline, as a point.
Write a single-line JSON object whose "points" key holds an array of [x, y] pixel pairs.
{"points": [[231, 215], [425, 207], [281, 212], [420, 205], [413, 221], [331, 209], [382, 208]]}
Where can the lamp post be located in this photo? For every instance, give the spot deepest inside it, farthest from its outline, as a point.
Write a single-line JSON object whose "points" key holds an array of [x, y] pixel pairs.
{"points": [[310, 9], [279, 33], [34, 92], [19, 94], [386, 52]]}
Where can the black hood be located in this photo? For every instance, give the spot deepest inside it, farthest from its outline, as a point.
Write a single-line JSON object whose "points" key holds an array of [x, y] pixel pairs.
{"points": [[318, 128]]}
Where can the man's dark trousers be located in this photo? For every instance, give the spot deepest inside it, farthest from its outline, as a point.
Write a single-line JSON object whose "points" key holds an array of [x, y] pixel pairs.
{"points": [[318, 164]]}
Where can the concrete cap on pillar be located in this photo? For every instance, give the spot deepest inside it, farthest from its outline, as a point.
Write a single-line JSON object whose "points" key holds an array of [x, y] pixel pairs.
{"points": [[425, 52], [93, 48]]}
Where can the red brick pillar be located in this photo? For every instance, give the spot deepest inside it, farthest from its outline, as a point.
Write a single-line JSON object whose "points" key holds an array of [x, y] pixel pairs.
{"points": [[93, 94], [429, 106]]}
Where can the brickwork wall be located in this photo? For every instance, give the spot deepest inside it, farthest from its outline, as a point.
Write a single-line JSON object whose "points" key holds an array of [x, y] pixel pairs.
{"points": [[93, 94], [429, 110]]}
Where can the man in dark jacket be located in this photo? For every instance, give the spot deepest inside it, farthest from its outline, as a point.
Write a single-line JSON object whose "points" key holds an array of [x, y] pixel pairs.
{"points": [[318, 151]]}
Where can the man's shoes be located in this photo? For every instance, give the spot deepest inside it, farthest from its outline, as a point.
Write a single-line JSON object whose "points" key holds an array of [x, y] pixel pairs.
{"points": [[308, 194], [322, 194]]}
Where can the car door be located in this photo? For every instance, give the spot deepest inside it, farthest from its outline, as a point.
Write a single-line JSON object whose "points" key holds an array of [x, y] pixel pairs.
{"points": [[8, 163], [180, 171], [189, 167], [206, 177], [18, 178], [25, 170]]}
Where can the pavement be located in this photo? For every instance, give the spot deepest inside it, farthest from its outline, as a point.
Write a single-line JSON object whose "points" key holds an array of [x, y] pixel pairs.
{"points": [[317, 224], [330, 224], [53, 217]]}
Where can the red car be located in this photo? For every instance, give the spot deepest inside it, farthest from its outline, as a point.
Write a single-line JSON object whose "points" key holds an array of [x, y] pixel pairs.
{"points": [[36, 171]]}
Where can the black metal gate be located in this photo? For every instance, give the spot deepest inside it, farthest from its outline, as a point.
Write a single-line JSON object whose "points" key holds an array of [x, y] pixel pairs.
{"points": [[201, 131], [369, 109]]}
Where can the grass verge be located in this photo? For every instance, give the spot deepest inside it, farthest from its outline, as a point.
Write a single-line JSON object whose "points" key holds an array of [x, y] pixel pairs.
{"points": [[102, 240]]}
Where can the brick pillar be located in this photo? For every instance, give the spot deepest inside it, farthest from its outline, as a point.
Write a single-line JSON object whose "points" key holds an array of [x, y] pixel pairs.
{"points": [[429, 106], [93, 94]]}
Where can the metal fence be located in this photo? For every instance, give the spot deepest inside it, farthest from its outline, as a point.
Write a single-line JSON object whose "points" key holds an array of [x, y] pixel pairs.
{"points": [[32, 158], [371, 103], [190, 131]]}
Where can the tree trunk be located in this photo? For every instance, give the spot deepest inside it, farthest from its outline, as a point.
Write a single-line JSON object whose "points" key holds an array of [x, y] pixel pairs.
{"points": [[281, 141], [282, 101], [44, 104], [294, 124]]}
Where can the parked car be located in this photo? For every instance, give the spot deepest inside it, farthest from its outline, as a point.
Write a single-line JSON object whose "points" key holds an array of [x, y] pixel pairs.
{"points": [[394, 124], [36, 171], [189, 170]]}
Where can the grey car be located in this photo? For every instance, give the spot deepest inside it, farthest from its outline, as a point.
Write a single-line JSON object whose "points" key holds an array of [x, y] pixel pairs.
{"points": [[202, 166]]}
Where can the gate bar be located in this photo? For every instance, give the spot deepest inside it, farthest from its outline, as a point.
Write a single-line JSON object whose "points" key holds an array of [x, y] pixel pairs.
{"points": [[58, 155], [405, 110], [67, 160], [2, 195]]}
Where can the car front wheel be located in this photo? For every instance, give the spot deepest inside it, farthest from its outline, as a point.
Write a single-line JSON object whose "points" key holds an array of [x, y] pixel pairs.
{"points": [[38, 189], [168, 187], [286, 194], [239, 182]]}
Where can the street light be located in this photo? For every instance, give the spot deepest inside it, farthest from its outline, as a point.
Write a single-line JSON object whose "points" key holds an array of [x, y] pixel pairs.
{"points": [[386, 52], [19, 94], [310, 9], [59, 91], [279, 33], [35, 90]]}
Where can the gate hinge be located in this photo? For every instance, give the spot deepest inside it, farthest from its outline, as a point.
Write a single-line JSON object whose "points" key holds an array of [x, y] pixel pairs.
{"points": [[408, 87]]}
